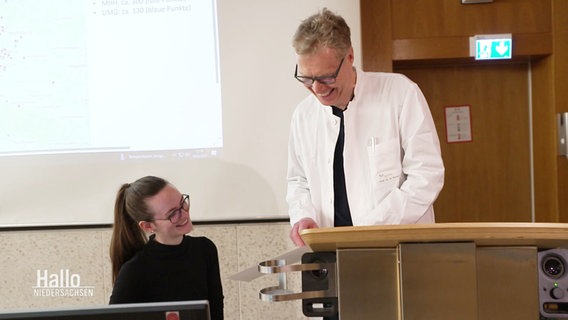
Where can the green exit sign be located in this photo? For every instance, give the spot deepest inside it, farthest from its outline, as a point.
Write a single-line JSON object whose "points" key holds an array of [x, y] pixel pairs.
{"points": [[493, 47]]}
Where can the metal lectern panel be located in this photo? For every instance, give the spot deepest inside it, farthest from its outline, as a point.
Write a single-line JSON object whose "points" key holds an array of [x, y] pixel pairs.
{"points": [[438, 281], [507, 283], [368, 284]]}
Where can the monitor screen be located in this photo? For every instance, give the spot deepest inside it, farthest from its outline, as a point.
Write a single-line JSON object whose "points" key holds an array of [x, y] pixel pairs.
{"points": [[178, 310]]}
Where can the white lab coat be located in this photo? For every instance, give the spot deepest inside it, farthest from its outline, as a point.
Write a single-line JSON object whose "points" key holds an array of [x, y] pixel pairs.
{"points": [[392, 158]]}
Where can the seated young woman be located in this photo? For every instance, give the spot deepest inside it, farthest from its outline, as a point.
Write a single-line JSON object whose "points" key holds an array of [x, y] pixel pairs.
{"points": [[169, 265]]}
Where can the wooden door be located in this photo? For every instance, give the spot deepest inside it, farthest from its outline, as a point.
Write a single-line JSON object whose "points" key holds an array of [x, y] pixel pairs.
{"points": [[489, 178]]}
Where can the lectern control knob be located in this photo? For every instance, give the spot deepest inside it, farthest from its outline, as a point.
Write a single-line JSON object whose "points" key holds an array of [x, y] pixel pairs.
{"points": [[557, 293]]}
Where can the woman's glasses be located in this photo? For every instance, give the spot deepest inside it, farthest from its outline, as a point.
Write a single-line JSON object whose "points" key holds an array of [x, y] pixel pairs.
{"points": [[175, 215]]}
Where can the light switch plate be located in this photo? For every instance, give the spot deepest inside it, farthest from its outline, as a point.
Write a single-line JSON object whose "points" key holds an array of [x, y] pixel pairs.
{"points": [[562, 121]]}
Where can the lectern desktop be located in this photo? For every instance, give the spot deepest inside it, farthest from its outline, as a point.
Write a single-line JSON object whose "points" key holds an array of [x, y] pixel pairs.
{"points": [[443, 271]]}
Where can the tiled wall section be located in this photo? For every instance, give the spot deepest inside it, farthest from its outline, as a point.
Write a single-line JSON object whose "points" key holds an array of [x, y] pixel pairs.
{"points": [[81, 255]]}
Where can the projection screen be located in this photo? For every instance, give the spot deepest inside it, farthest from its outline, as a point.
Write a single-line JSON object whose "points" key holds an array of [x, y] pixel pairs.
{"points": [[97, 93]]}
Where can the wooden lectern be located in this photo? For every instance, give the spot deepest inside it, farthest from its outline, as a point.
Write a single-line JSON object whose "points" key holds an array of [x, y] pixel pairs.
{"points": [[442, 271]]}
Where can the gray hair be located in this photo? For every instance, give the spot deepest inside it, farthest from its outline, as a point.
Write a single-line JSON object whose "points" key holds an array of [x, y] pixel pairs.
{"points": [[323, 29]]}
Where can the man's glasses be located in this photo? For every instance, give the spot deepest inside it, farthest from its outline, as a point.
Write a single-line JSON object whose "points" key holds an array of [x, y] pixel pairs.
{"points": [[326, 80], [175, 215]]}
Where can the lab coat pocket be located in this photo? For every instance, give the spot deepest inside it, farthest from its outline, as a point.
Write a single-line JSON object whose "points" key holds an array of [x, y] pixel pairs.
{"points": [[385, 164]]}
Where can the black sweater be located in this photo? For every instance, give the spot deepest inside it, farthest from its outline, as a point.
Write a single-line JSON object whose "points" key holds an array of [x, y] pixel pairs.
{"points": [[159, 273]]}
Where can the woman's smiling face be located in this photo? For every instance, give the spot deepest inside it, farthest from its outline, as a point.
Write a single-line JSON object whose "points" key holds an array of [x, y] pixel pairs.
{"points": [[164, 204]]}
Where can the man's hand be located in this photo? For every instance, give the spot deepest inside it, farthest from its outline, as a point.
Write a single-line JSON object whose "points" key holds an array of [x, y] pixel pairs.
{"points": [[305, 223]]}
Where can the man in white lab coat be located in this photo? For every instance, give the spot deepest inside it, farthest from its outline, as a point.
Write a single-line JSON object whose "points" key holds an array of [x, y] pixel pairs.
{"points": [[363, 148]]}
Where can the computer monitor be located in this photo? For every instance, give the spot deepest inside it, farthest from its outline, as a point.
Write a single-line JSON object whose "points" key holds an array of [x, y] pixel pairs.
{"points": [[177, 310]]}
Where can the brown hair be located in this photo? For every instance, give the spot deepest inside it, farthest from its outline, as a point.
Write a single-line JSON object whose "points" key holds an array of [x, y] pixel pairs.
{"points": [[129, 209], [323, 29]]}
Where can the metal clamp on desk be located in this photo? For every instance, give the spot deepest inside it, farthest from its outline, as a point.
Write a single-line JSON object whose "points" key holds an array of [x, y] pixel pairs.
{"points": [[319, 291], [281, 293]]}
